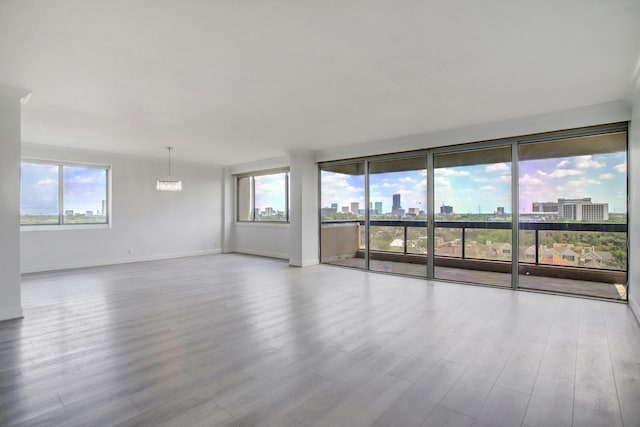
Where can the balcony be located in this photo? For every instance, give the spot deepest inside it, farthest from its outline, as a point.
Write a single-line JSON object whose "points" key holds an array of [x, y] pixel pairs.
{"points": [[586, 259]]}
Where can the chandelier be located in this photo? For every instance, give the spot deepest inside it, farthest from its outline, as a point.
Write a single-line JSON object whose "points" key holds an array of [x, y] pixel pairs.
{"points": [[169, 184]]}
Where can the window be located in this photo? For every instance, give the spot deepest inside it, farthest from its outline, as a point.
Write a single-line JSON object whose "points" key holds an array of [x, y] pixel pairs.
{"points": [[60, 194], [263, 197], [545, 212]]}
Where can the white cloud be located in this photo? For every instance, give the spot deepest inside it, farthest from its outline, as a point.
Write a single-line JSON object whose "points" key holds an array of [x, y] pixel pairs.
{"points": [[497, 167], [563, 164], [406, 179], [541, 173], [389, 185], [622, 167], [561, 173], [505, 178], [607, 176], [582, 181], [530, 180], [442, 181], [487, 188], [476, 178], [587, 162], [451, 172], [47, 182]]}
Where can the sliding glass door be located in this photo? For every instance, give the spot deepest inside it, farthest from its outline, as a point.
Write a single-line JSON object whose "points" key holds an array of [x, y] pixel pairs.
{"points": [[473, 227], [342, 215], [573, 215], [543, 212], [397, 216]]}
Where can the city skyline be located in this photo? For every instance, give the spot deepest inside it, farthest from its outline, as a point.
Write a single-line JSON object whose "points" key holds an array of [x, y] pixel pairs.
{"points": [[84, 189], [466, 188]]}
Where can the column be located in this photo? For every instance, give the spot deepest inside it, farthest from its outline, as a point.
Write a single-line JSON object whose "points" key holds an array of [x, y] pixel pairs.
{"points": [[10, 146], [303, 232]]}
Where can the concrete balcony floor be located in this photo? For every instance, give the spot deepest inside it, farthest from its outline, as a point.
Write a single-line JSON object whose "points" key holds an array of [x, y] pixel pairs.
{"points": [[529, 282]]}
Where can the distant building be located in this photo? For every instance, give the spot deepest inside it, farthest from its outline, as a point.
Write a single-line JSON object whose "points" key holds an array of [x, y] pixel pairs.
{"points": [[583, 209], [396, 202], [345, 209], [413, 212], [544, 207], [256, 212], [334, 206], [268, 211], [378, 206], [500, 210], [355, 206], [89, 213], [69, 212], [446, 210]]}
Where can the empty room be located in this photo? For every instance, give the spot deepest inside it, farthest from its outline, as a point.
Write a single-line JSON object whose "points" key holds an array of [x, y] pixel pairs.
{"points": [[336, 213]]}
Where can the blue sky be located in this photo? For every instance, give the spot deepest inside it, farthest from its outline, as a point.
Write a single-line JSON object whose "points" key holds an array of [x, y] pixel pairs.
{"points": [[466, 188], [84, 189], [270, 191]]}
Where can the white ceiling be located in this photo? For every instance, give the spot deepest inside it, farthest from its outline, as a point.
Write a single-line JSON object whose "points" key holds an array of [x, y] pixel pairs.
{"points": [[234, 81]]}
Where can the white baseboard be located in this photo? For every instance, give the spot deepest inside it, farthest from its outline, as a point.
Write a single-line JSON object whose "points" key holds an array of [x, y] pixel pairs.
{"points": [[268, 254], [304, 263], [8, 313], [127, 260]]}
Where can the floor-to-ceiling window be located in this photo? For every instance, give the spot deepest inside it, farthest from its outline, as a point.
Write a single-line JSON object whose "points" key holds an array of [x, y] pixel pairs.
{"points": [[543, 212], [397, 215], [342, 215], [473, 216], [573, 215]]}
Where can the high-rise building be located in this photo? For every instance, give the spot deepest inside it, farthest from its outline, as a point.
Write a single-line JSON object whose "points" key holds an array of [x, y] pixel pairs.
{"points": [[268, 211], [378, 206], [334, 206], [500, 210], [582, 209], [544, 207], [355, 206], [345, 209], [446, 210], [396, 202]]}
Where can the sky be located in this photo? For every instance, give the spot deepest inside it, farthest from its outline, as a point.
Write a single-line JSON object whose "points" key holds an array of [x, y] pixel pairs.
{"points": [[484, 188], [270, 191], [84, 189]]}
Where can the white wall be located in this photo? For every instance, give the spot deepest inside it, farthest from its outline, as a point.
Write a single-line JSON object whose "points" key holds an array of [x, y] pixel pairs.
{"points": [[10, 304], [634, 204], [146, 224], [579, 117]]}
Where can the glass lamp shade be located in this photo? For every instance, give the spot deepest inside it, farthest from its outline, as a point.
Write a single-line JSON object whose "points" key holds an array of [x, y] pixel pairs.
{"points": [[168, 185]]}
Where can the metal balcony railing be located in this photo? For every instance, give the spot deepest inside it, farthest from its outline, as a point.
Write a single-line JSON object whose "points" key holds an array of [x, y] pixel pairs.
{"points": [[535, 227]]}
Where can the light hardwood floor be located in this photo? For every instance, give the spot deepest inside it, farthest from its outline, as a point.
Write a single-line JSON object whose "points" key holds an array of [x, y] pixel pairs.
{"points": [[242, 340]]}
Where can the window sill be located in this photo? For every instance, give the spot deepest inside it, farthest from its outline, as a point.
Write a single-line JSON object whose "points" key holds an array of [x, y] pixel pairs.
{"points": [[67, 227], [273, 224]]}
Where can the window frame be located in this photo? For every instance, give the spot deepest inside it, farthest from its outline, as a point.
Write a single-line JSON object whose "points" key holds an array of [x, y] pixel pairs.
{"points": [[252, 195], [60, 164]]}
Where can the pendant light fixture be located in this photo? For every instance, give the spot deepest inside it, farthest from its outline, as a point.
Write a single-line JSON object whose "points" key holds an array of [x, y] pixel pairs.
{"points": [[169, 184]]}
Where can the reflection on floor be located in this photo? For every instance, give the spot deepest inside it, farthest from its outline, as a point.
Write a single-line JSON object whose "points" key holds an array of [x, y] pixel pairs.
{"points": [[546, 284]]}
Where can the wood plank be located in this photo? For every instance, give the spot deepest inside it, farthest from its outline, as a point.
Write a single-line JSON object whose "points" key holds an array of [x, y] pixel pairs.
{"points": [[247, 340]]}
